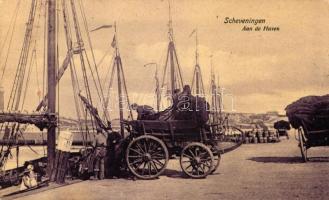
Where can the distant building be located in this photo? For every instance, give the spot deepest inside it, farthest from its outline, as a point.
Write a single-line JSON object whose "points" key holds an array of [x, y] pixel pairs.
{"points": [[2, 98], [274, 113]]}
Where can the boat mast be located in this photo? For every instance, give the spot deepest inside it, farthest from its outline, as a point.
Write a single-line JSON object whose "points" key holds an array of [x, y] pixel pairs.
{"points": [[51, 62], [118, 60], [197, 76], [122, 87], [175, 75], [197, 63], [214, 93], [171, 53]]}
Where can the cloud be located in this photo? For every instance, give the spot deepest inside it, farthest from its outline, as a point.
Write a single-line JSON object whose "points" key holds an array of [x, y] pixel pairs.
{"points": [[151, 52]]}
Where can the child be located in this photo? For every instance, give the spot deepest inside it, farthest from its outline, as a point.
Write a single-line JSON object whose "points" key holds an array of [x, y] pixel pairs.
{"points": [[29, 179]]}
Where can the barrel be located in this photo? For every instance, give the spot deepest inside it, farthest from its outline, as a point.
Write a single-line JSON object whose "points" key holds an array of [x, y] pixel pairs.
{"points": [[246, 140], [254, 140]]}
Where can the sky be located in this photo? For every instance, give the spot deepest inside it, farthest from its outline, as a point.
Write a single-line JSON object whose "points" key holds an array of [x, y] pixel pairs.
{"points": [[263, 70]]}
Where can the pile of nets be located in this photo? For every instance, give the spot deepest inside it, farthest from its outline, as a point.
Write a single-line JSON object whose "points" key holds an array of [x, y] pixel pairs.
{"points": [[313, 111], [193, 108]]}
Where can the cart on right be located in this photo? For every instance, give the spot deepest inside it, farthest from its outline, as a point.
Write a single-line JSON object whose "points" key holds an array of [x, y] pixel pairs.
{"points": [[310, 116], [312, 134]]}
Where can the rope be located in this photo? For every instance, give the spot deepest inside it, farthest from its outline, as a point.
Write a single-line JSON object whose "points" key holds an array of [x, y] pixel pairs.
{"points": [[43, 146], [179, 69], [29, 146], [15, 95], [16, 92], [28, 78], [44, 77], [125, 88], [75, 83], [12, 21], [103, 57], [57, 63], [73, 71], [79, 41], [94, 60], [111, 80]]}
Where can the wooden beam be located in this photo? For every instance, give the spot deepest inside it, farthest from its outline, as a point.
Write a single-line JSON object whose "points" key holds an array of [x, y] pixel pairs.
{"points": [[51, 62], [40, 120]]}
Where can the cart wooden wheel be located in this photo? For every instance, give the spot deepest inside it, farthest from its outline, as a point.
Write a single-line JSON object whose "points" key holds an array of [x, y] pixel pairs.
{"points": [[302, 143], [197, 160], [217, 158], [147, 157]]}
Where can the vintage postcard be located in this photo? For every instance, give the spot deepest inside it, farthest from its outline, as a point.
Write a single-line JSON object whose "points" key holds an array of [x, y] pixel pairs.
{"points": [[164, 99]]}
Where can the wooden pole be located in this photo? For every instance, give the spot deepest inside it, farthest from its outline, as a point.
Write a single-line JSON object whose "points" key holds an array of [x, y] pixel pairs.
{"points": [[157, 86], [51, 62], [119, 71], [17, 156], [197, 64], [158, 95], [197, 83], [171, 54], [172, 67], [119, 68]]}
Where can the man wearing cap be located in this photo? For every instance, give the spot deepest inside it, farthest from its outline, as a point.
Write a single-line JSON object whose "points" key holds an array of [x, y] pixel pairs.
{"points": [[143, 111], [99, 144]]}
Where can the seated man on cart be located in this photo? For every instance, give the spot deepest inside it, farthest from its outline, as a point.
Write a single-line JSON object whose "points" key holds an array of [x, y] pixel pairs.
{"points": [[144, 112]]}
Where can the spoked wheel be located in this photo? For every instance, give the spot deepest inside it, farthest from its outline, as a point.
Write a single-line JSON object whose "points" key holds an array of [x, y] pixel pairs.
{"points": [[147, 157], [217, 158], [197, 160], [302, 143]]}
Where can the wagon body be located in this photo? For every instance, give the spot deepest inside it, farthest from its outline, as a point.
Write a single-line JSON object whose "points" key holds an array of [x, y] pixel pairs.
{"points": [[313, 132], [173, 132], [316, 131]]}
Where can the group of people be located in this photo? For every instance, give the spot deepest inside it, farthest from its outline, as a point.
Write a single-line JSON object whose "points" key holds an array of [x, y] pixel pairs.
{"points": [[103, 146], [103, 159]]}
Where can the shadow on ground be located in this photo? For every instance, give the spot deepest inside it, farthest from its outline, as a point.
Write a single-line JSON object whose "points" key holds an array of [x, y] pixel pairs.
{"points": [[174, 173], [287, 160], [179, 174], [318, 159]]}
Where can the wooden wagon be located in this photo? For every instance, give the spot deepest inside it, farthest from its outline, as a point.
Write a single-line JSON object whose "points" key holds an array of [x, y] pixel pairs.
{"points": [[282, 128], [152, 142]]}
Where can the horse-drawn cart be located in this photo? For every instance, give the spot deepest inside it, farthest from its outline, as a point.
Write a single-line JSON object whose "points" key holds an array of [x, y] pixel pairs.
{"points": [[282, 128], [153, 142], [310, 116]]}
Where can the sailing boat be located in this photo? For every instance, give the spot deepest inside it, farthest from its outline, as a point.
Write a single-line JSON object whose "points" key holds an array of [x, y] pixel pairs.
{"points": [[78, 55], [172, 79]]}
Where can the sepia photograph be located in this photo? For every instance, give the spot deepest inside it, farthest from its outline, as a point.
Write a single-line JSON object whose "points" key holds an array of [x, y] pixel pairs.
{"points": [[164, 99]]}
